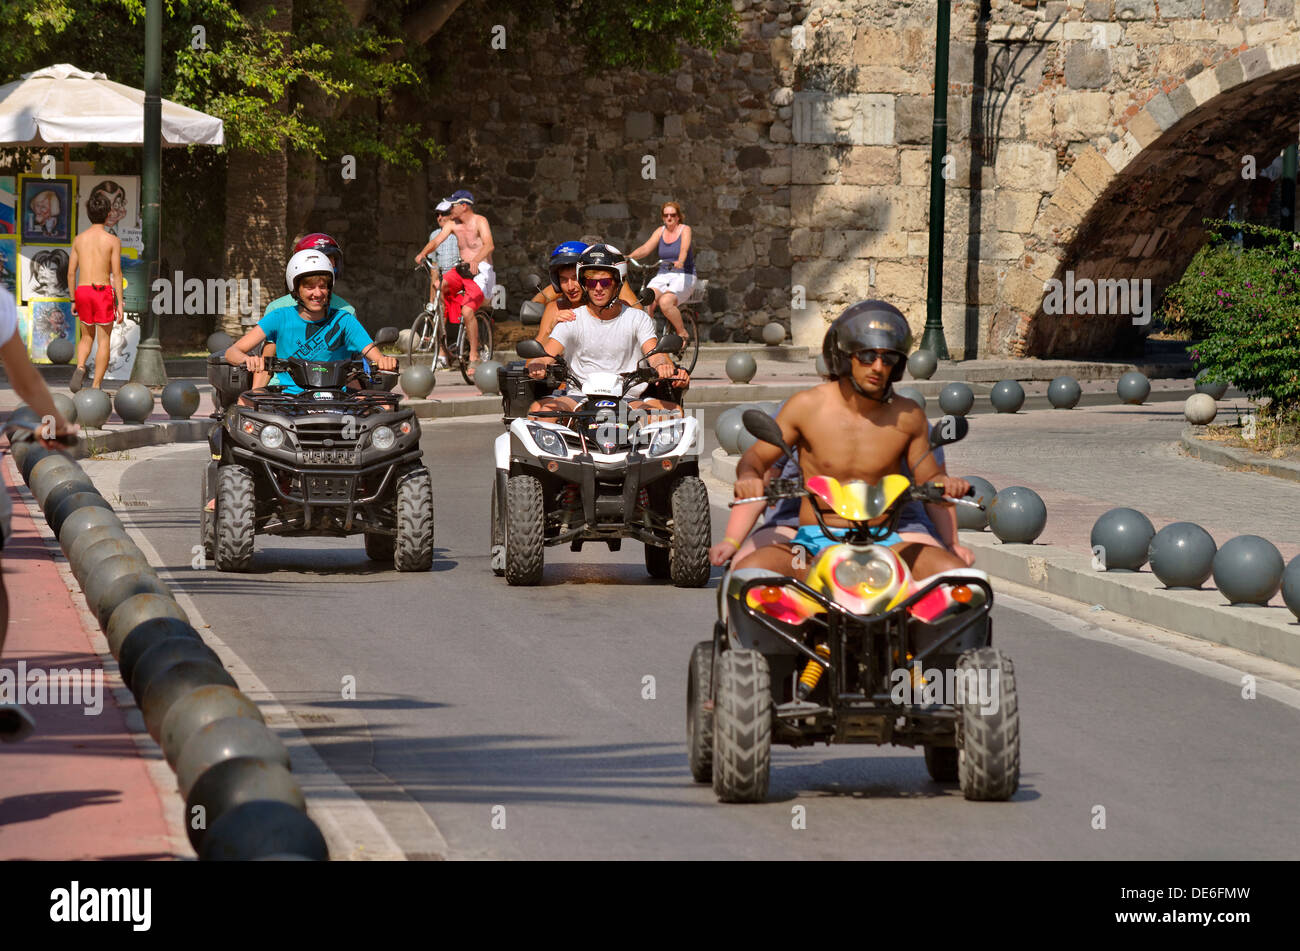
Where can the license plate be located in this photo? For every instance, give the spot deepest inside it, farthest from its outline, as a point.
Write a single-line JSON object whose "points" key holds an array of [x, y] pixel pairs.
{"points": [[329, 488]]}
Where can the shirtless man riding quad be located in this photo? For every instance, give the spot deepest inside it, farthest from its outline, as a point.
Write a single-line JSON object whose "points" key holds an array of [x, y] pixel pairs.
{"points": [[854, 427]]}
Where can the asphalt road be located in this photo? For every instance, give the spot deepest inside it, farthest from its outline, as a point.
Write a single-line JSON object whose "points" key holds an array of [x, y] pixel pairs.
{"points": [[471, 695]]}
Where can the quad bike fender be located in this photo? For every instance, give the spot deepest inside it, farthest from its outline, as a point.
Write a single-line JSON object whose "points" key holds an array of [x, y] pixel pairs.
{"points": [[501, 451], [745, 631]]}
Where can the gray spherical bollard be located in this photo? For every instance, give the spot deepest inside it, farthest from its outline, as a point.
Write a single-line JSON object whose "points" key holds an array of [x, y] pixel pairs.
{"points": [[220, 341], [911, 393], [143, 636], [485, 377], [167, 653], [973, 519], [37, 454], [1064, 392], [417, 382], [60, 350], [1007, 396], [173, 684], [51, 471], [143, 613], [180, 399], [83, 520], [133, 402], [820, 365], [234, 782], [108, 570], [956, 399], [88, 539], [728, 429], [1120, 539], [1248, 570], [1017, 515], [745, 440], [741, 367], [264, 831], [125, 588], [922, 364], [770, 407], [65, 405], [93, 408], [192, 744], [20, 444], [403, 340], [55, 516], [773, 334], [1182, 555], [1133, 388], [1214, 390], [99, 548], [1200, 409], [1291, 586]]}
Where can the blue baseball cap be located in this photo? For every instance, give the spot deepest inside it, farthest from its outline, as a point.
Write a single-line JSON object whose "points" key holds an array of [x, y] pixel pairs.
{"points": [[461, 196]]}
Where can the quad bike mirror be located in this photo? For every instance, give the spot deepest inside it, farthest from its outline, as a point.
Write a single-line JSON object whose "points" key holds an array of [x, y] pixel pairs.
{"points": [[948, 430], [668, 343], [530, 349], [534, 280], [766, 429], [386, 335], [647, 295], [530, 312]]}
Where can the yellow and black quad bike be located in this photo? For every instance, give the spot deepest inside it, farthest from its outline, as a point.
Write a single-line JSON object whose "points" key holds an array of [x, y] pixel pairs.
{"points": [[859, 652]]}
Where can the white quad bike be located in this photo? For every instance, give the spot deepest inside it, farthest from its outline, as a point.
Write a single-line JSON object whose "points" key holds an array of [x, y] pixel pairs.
{"points": [[601, 473]]}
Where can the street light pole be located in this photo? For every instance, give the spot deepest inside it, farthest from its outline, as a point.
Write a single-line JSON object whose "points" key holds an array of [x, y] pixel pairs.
{"points": [[932, 339], [149, 368]]}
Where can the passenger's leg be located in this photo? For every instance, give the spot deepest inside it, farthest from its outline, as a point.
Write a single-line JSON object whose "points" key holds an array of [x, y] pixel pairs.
{"points": [[925, 560], [764, 537], [780, 558]]}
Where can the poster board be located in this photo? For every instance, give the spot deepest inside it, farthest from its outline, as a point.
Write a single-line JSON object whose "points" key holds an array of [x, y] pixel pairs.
{"points": [[8, 221], [43, 272], [25, 326], [50, 318], [45, 209], [124, 342], [9, 263], [123, 193]]}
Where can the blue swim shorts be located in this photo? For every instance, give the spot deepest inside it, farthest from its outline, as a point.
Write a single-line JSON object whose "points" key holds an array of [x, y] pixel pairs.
{"points": [[812, 539]]}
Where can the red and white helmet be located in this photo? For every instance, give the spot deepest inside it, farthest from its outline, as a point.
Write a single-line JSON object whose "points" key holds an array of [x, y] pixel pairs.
{"points": [[319, 241], [306, 264]]}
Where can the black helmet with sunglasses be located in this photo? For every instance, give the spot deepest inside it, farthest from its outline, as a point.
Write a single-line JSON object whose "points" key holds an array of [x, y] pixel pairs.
{"points": [[603, 257], [867, 325]]}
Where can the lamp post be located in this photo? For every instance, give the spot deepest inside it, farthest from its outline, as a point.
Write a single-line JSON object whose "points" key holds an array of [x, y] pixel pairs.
{"points": [[149, 368], [932, 339]]}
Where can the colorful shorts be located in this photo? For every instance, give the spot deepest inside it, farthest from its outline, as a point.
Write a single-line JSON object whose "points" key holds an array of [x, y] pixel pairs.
{"points": [[813, 540], [95, 303]]}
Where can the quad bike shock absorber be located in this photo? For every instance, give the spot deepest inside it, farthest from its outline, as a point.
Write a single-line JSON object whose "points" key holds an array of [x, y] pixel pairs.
{"points": [[812, 673]]}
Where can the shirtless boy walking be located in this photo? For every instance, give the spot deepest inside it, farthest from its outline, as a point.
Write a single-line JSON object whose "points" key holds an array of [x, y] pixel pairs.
{"points": [[96, 264]]}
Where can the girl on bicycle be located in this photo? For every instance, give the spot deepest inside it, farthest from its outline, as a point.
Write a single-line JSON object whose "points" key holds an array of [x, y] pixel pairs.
{"points": [[676, 278]]}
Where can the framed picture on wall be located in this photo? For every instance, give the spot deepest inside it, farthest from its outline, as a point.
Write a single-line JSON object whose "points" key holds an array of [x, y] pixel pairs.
{"points": [[9, 263], [8, 222], [25, 325], [43, 272], [45, 209], [122, 192], [50, 319]]}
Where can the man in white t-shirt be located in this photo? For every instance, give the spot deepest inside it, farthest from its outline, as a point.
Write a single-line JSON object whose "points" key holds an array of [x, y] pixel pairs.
{"points": [[605, 336]]}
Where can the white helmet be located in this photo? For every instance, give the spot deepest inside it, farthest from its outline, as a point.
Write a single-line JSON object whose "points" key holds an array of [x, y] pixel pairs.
{"points": [[305, 264]]}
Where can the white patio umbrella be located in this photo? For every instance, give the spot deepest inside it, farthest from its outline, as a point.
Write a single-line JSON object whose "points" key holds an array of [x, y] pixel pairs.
{"points": [[63, 105]]}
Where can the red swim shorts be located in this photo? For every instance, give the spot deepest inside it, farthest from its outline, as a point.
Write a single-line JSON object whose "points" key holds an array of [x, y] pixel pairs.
{"points": [[95, 303], [460, 292]]}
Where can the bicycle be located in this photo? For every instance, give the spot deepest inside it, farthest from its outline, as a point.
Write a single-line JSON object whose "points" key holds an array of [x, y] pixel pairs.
{"points": [[690, 318], [429, 330]]}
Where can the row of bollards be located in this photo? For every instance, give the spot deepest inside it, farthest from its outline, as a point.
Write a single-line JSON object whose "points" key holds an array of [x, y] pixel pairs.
{"points": [[133, 402], [241, 802]]}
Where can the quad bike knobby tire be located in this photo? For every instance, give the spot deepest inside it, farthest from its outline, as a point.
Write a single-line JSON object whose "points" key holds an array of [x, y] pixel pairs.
{"points": [[497, 552], [234, 528], [941, 761], [525, 531], [742, 727], [989, 764], [207, 521], [689, 554], [413, 546], [658, 561], [699, 712], [380, 547]]}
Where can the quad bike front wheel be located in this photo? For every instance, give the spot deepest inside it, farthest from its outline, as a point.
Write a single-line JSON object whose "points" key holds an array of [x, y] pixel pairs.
{"points": [[989, 762], [207, 520], [525, 530], [742, 727], [689, 554], [413, 546], [497, 554], [699, 712], [234, 529]]}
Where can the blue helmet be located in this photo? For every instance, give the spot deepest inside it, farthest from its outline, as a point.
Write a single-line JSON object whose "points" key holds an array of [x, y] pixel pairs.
{"points": [[563, 255]]}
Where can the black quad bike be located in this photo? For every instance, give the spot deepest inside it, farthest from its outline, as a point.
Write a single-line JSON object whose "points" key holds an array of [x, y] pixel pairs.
{"points": [[599, 474], [858, 652], [329, 461]]}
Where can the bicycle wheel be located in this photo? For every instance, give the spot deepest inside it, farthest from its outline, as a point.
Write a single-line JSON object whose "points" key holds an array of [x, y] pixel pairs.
{"points": [[424, 334], [691, 352], [484, 345]]}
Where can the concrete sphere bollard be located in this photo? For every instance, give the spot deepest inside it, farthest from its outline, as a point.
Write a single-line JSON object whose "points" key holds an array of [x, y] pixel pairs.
{"points": [[922, 364], [1064, 392], [971, 518], [107, 570], [264, 830], [773, 333], [820, 365], [728, 429], [88, 539], [145, 612], [167, 653], [1007, 396], [60, 350], [1017, 515], [911, 393], [20, 444], [83, 520], [1182, 555], [417, 381], [1214, 390], [1133, 388], [180, 399], [745, 441], [173, 684], [485, 377], [66, 407], [1200, 409], [69, 504], [51, 471], [133, 402], [1123, 536], [220, 341], [38, 453], [124, 588], [192, 746], [404, 340], [770, 407], [95, 551], [140, 639], [1291, 586], [1248, 570], [234, 782], [956, 399], [741, 367], [93, 408]]}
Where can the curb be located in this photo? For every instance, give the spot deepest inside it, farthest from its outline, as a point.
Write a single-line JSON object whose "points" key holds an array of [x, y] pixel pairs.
{"points": [[1238, 458]]}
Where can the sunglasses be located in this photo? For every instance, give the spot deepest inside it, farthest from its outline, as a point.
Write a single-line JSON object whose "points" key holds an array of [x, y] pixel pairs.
{"points": [[669, 214], [869, 357], [595, 283]]}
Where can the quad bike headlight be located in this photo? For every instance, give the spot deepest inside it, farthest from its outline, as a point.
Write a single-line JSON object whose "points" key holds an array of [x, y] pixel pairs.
{"points": [[548, 441], [383, 438], [666, 439], [272, 436], [875, 573]]}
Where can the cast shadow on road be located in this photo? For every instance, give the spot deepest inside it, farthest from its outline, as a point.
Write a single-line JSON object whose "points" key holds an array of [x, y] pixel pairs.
{"points": [[611, 573], [30, 807]]}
